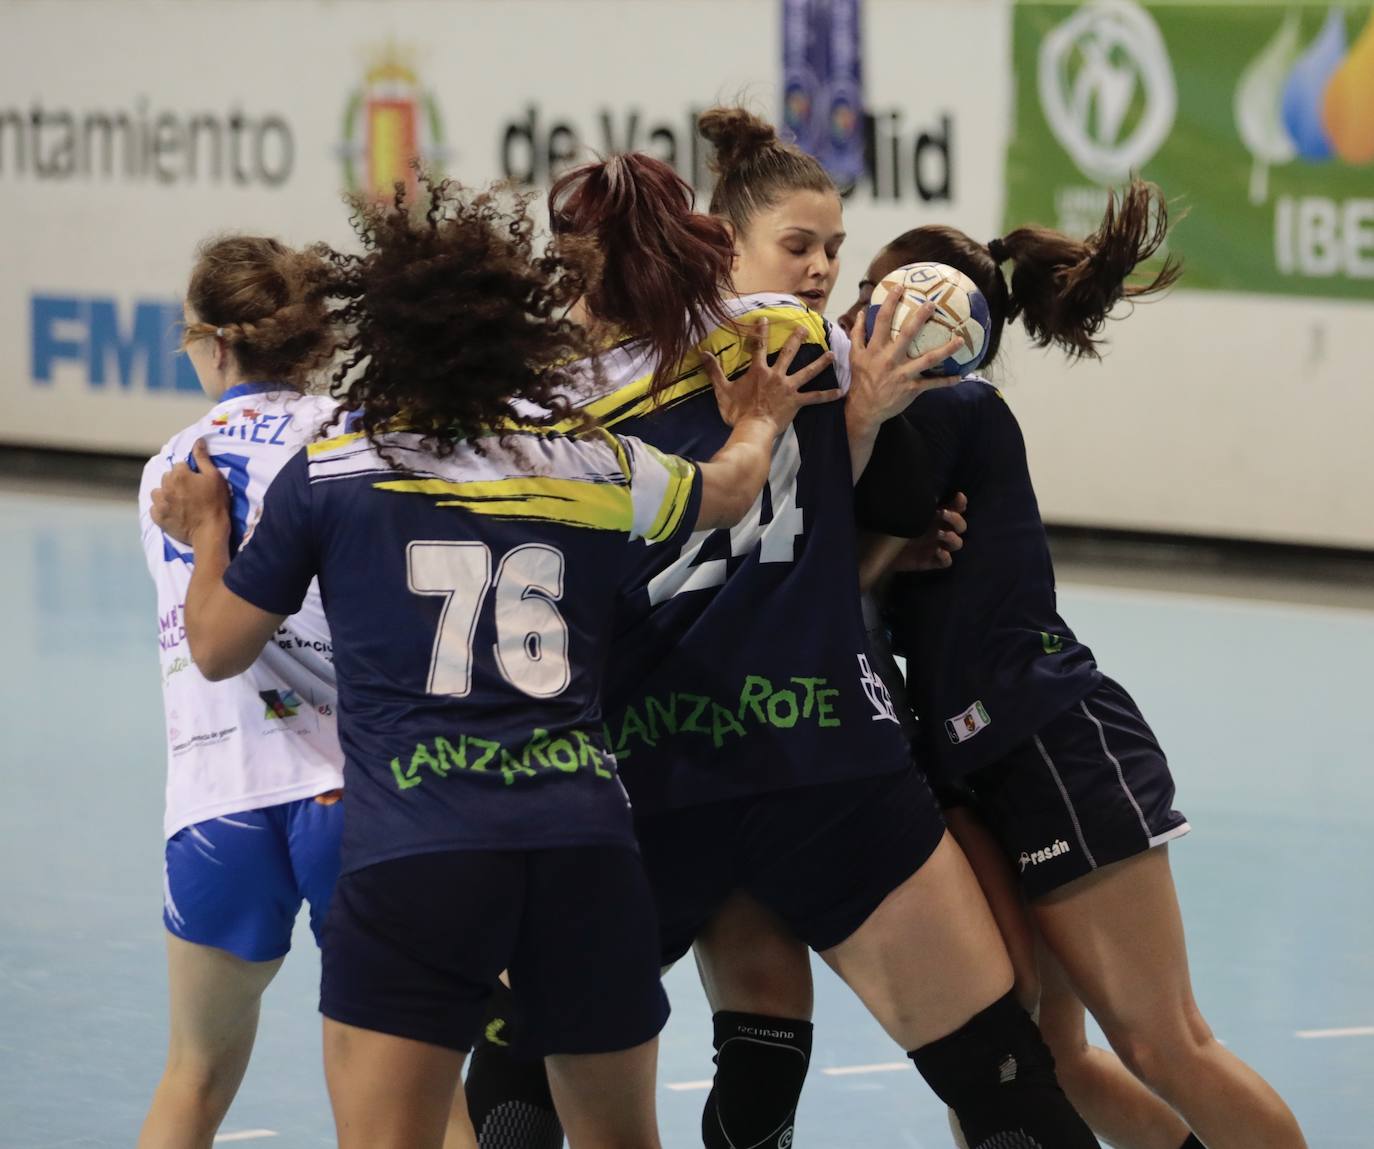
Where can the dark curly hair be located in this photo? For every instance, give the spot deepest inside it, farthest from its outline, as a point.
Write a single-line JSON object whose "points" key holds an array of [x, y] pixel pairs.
{"points": [[453, 324], [266, 303]]}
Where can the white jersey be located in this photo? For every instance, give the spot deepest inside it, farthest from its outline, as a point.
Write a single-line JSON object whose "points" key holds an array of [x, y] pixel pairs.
{"points": [[270, 734]]}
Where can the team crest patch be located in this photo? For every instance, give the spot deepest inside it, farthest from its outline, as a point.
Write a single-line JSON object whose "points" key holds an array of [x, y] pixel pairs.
{"points": [[281, 704], [964, 726]]}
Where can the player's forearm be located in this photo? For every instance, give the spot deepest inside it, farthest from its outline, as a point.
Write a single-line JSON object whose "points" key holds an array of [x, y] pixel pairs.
{"points": [[734, 476], [206, 634], [862, 430]]}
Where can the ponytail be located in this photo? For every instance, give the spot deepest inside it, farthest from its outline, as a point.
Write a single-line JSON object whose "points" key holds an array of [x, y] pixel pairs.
{"points": [[1062, 289], [664, 267]]}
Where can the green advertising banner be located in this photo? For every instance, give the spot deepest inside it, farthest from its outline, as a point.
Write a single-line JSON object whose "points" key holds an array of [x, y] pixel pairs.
{"points": [[1258, 118]]}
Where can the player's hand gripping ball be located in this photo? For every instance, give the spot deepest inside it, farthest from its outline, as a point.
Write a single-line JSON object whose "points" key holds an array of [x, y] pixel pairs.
{"points": [[961, 312]]}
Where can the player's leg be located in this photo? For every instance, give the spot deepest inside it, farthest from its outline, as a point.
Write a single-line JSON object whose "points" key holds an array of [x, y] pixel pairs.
{"points": [[998, 883], [388, 1092], [606, 1100], [1119, 935], [1117, 1104], [585, 970], [411, 948], [229, 903], [906, 926], [213, 1016], [1092, 805], [757, 977]]}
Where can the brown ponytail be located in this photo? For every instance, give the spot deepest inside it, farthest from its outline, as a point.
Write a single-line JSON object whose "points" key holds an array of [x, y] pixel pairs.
{"points": [[753, 167], [663, 264], [266, 301], [1063, 289]]}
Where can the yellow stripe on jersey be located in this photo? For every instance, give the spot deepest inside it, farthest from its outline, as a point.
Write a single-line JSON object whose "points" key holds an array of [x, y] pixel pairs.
{"points": [[323, 446], [675, 499], [725, 343], [572, 502]]}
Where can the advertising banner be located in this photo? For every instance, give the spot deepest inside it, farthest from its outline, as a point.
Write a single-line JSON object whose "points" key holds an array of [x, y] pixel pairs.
{"points": [[822, 55], [131, 130], [1257, 118]]}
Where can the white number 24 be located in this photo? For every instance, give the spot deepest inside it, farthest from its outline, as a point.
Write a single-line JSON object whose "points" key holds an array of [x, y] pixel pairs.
{"points": [[531, 636], [776, 539]]}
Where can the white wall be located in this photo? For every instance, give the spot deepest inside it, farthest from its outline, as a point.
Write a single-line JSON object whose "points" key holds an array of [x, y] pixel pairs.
{"points": [[1229, 415]]}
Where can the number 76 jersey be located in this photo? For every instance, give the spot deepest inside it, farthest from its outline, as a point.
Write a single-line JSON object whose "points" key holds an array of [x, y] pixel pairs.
{"points": [[740, 661]]}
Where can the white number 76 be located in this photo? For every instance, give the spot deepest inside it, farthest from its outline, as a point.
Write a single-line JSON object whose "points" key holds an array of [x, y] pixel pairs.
{"points": [[531, 636]]}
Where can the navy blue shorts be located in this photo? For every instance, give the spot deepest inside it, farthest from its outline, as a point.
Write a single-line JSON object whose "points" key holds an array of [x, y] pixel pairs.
{"points": [[413, 946], [1091, 788], [237, 882], [821, 857]]}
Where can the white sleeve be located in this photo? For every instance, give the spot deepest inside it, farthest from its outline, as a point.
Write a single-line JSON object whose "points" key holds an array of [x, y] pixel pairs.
{"points": [[661, 488], [840, 345], [149, 532]]}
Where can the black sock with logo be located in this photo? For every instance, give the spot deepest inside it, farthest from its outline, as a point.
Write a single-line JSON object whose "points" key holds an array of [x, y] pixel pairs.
{"points": [[508, 1098]]}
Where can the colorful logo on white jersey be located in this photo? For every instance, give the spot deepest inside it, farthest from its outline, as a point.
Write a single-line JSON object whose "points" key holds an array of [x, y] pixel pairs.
{"points": [[281, 704], [389, 123]]}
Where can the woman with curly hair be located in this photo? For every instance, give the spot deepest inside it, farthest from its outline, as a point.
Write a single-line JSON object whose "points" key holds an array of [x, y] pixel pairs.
{"points": [[253, 764], [469, 539]]}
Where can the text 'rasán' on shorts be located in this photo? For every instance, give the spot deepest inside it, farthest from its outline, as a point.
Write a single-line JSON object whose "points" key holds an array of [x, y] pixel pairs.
{"points": [[1090, 788]]}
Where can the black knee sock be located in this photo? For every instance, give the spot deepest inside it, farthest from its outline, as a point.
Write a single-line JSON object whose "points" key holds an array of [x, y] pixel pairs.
{"points": [[1192, 1143], [508, 1098], [997, 1074], [760, 1066]]}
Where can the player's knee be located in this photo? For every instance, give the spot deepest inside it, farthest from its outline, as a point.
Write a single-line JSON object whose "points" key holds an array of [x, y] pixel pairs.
{"points": [[761, 1063], [996, 1073], [1162, 1047]]}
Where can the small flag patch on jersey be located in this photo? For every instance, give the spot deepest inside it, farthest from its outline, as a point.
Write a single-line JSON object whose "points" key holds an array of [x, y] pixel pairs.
{"points": [[964, 726]]}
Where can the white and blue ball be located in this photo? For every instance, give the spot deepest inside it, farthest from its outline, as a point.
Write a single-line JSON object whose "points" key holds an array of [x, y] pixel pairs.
{"points": [[961, 312]]}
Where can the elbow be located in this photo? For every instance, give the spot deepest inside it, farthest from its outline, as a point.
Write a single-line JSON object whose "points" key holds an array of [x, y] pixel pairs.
{"points": [[215, 661]]}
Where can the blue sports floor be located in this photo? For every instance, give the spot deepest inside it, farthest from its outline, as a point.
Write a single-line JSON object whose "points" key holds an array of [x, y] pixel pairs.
{"points": [[1265, 709]]}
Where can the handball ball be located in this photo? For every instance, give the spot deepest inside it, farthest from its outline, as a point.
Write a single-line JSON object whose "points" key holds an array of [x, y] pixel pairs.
{"points": [[961, 312]]}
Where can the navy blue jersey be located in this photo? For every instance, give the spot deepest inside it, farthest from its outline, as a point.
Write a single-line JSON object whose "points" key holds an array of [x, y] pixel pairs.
{"points": [[989, 660], [740, 662], [470, 600]]}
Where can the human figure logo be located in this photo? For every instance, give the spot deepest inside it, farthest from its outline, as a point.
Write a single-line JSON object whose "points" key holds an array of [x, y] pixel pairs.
{"points": [[1107, 88]]}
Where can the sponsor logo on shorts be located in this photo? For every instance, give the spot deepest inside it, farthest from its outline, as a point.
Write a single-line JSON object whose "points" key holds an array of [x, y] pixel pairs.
{"points": [[281, 704], [1049, 853]]}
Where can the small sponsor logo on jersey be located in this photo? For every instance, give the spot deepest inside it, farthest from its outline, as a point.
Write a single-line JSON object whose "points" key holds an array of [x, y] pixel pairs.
{"points": [[1006, 1072], [1051, 643], [785, 1140], [964, 726], [875, 689], [1056, 849], [281, 704]]}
